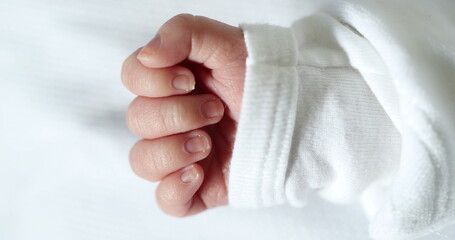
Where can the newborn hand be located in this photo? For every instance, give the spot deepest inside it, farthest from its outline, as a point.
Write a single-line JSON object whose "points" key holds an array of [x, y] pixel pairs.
{"points": [[188, 138]]}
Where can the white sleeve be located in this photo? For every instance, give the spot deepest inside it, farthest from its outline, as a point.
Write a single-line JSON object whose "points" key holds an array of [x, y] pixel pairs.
{"points": [[308, 120], [331, 107]]}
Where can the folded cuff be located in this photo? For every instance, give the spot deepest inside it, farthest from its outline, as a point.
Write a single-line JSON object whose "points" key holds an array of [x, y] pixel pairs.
{"points": [[268, 112]]}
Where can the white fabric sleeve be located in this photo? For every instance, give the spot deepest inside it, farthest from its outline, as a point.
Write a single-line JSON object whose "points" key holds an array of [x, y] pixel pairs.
{"points": [[308, 120], [362, 108], [266, 126], [415, 41]]}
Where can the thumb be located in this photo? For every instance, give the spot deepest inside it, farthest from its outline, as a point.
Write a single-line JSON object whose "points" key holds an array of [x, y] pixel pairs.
{"points": [[195, 38]]}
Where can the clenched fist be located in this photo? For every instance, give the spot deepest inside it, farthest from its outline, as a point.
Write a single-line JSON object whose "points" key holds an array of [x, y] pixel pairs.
{"points": [[189, 80]]}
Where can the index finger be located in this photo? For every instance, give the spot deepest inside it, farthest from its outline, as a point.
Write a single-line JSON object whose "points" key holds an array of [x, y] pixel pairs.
{"points": [[156, 82]]}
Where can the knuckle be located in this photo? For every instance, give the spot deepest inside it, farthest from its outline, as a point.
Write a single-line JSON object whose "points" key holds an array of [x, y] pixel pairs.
{"points": [[171, 211], [171, 116], [155, 118], [179, 214], [146, 163], [184, 17], [136, 159], [180, 21], [133, 117], [127, 74], [168, 195], [157, 165]]}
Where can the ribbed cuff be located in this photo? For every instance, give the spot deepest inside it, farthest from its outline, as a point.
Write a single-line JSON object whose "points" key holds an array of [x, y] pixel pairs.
{"points": [[268, 112]]}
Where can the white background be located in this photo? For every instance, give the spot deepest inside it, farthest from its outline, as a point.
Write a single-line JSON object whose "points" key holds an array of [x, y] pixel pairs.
{"points": [[64, 171]]}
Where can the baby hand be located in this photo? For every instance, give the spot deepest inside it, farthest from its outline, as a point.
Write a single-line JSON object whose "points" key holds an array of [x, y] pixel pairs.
{"points": [[188, 138]]}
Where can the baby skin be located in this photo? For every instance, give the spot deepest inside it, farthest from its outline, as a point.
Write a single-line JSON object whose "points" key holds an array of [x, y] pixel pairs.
{"points": [[189, 81]]}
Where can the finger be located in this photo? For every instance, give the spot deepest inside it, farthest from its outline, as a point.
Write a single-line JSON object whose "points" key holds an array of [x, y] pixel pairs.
{"points": [[154, 159], [196, 38], [161, 82], [176, 193], [158, 117]]}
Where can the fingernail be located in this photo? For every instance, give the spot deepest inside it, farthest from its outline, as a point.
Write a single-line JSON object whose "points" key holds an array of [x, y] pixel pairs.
{"points": [[212, 109], [197, 144], [182, 82], [189, 174], [148, 50]]}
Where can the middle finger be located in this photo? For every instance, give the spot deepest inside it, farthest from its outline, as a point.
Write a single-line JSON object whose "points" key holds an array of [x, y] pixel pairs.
{"points": [[154, 118]]}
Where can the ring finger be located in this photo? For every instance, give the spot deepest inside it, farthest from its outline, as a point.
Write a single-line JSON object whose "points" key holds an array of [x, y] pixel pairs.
{"points": [[154, 159]]}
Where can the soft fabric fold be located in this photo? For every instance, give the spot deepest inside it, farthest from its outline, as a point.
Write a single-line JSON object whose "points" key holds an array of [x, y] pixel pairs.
{"points": [[266, 125], [415, 40]]}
